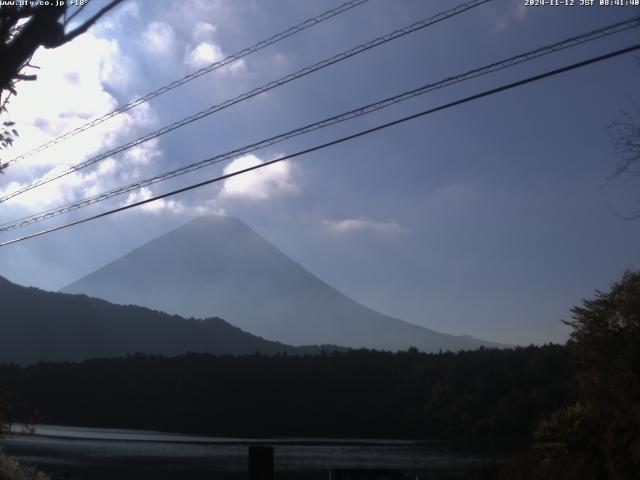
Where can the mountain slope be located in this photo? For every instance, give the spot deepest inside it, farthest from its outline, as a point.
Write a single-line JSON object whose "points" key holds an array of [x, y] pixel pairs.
{"points": [[217, 265], [36, 325]]}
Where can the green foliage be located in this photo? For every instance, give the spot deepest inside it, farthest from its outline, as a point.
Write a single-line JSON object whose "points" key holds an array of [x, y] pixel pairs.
{"points": [[606, 341], [599, 437], [566, 443]]}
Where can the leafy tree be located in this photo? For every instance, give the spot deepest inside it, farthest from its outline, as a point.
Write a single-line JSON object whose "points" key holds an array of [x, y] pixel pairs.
{"points": [[606, 340], [599, 437], [567, 444]]}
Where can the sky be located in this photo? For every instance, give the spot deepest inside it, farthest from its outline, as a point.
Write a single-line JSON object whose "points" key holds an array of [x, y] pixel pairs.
{"points": [[492, 219]]}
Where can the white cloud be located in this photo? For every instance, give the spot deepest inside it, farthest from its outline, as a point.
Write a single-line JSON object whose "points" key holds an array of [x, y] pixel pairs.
{"points": [[116, 68], [129, 9], [276, 179], [362, 224], [220, 11], [203, 31], [62, 96], [204, 54], [70, 90], [60, 100], [154, 207], [67, 189], [235, 68], [170, 205], [159, 38], [144, 153]]}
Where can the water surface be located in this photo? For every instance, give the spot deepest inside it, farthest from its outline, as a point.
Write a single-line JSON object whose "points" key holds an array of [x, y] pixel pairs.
{"points": [[97, 454]]}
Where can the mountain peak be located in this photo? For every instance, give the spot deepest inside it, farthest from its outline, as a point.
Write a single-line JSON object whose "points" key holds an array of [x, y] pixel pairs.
{"points": [[218, 266]]}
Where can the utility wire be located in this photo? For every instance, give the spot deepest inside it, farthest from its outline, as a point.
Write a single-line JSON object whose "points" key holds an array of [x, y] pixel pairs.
{"points": [[192, 76], [362, 133], [257, 91], [387, 102]]}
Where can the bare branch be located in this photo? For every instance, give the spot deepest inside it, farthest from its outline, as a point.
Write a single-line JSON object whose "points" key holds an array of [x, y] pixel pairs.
{"points": [[86, 25], [22, 76]]}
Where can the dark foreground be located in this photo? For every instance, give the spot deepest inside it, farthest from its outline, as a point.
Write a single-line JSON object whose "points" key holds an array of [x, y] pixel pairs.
{"points": [[101, 454], [491, 395]]}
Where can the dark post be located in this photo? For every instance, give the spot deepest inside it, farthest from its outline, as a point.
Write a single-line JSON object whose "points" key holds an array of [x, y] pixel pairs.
{"points": [[66, 472], [260, 462]]}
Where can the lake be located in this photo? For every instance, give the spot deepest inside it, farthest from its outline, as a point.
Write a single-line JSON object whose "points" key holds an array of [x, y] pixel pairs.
{"points": [[100, 454]]}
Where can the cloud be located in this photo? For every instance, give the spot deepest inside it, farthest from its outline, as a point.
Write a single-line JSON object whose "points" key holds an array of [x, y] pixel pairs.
{"points": [[362, 224], [203, 31], [276, 179], [159, 38], [129, 9], [516, 13], [223, 12], [70, 90], [206, 53], [117, 70], [144, 153], [169, 205], [154, 207], [69, 188], [281, 59]]}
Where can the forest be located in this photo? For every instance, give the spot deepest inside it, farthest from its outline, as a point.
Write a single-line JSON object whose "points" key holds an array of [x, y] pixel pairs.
{"points": [[485, 393], [569, 411]]}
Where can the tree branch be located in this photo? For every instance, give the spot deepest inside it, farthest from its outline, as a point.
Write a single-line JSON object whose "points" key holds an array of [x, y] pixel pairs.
{"points": [[86, 25]]}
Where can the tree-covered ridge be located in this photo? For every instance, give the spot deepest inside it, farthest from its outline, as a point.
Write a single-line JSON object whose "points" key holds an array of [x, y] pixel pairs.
{"points": [[47, 326], [499, 394]]}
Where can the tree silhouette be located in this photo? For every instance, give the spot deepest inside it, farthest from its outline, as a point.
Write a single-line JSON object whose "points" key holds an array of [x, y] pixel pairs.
{"points": [[599, 436], [5, 422], [625, 136]]}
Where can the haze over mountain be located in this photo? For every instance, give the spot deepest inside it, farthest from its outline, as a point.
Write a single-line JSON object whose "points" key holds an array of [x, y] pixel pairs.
{"points": [[36, 325], [218, 266]]}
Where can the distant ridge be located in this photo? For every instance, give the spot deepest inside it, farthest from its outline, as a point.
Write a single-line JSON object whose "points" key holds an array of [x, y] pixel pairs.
{"points": [[216, 265], [36, 326]]}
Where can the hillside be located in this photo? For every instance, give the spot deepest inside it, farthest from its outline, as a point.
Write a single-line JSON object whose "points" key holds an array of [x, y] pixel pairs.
{"points": [[45, 326]]}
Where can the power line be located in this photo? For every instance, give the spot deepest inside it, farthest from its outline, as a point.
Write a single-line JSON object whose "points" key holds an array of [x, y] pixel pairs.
{"points": [[257, 91], [387, 102], [310, 22], [362, 133]]}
